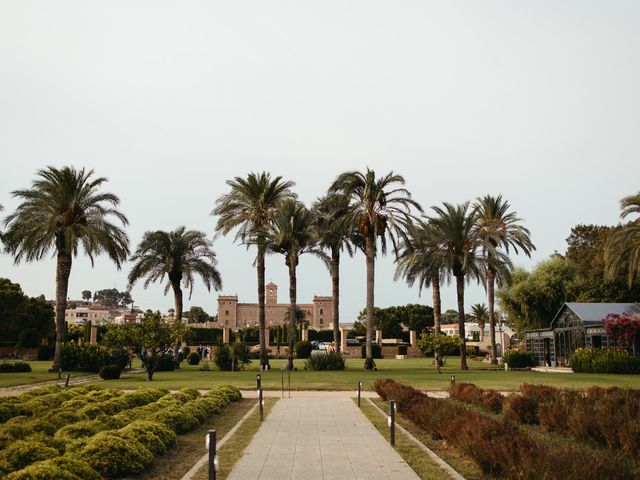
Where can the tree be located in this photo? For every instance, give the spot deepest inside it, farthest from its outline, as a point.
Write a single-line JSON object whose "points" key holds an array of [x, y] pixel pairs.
{"points": [[334, 233], [150, 340], [112, 297], [180, 256], [291, 235], [456, 227], [380, 206], [86, 295], [499, 231], [422, 260], [197, 315], [480, 313], [623, 248], [63, 212], [532, 299], [20, 313], [396, 319], [249, 207]]}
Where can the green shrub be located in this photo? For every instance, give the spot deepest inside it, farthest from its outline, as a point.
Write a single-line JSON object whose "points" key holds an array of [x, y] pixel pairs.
{"points": [[150, 440], [193, 358], [110, 372], [21, 453], [446, 345], [518, 359], [43, 471], [166, 363], [325, 361], [14, 367], [224, 360], [600, 360], [83, 358], [303, 349], [165, 434], [111, 455], [120, 357], [376, 350], [45, 352]]}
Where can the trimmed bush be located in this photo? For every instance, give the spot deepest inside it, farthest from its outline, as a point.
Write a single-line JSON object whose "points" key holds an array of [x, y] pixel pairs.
{"points": [[224, 360], [14, 367], [193, 358], [43, 471], [21, 453], [376, 350], [111, 455], [325, 361], [83, 358], [602, 360], [518, 359], [303, 349], [45, 352], [110, 372], [166, 363]]}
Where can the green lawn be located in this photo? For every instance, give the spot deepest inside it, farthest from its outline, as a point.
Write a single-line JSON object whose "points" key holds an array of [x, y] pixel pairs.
{"points": [[416, 372]]}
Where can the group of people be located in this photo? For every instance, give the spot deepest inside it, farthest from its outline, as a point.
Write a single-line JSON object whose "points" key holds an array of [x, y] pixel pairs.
{"points": [[203, 352]]}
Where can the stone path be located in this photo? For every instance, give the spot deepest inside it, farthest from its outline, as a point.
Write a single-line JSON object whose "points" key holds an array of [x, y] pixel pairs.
{"points": [[319, 437]]}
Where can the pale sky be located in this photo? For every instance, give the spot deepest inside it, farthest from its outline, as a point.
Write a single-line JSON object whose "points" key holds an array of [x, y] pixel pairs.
{"points": [[535, 100]]}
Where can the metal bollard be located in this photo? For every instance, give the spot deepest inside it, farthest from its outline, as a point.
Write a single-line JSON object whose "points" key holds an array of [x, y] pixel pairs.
{"points": [[359, 392], [261, 404], [392, 422], [282, 380], [213, 454], [258, 382], [453, 379], [59, 373], [66, 382]]}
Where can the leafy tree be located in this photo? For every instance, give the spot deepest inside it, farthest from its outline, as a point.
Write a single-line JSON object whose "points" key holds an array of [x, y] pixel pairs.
{"points": [[394, 320], [379, 207], [151, 340], [532, 299], [456, 226], [335, 233], [197, 315], [450, 316], [180, 256], [112, 297], [249, 207], [291, 235], [63, 212], [86, 295], [623, 248], [499, 231], [19, 313]]}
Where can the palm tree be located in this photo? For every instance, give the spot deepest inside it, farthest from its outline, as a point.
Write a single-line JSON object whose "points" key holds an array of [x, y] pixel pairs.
{"points": [[178, 255], [480, 313], [334, 233], [456, 227], [499, 230], [62, 212], [249, 207], [291, 235], [421, 260], [380, 206], [623, 248]]}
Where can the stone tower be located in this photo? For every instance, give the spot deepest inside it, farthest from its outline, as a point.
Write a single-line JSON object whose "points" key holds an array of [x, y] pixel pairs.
{"points": [[271, 294]]}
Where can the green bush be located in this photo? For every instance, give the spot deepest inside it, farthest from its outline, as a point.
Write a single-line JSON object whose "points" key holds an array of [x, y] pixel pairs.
{"points": [[21, 453], [518, 359], [600, 360], [14, 367], [325, 361], [119, 357], [43, 471], [224, 360], [110, 372], [376, 350], [303, 349], [111, 455], [446, 345], [193, 358], [83, 358], [166, 363], [45, 352]]}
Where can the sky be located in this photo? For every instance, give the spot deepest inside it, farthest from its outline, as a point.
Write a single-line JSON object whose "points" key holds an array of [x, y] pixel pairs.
{"points": [[537, 101]]}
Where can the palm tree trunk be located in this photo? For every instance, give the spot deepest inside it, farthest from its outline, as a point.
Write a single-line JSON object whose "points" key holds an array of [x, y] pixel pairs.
{"points": [[264, 358], [463, 345], [370, 246], [177, 298], [335, 291], [292, 310], [435, 290], [492, 316], [63, 271]]}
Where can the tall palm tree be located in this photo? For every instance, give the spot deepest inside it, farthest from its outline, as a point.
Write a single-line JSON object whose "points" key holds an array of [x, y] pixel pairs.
{"points": [[180, 256], [499, 231], [480, 313], [380, 206], [291, 235], [334, 233], [623, 248], [456, 226], [62, 212], [421, 260], [249, 206]]}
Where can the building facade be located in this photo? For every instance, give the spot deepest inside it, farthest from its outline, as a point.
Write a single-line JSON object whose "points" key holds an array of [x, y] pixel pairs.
{"points": [[236, 315], [82, 315]]}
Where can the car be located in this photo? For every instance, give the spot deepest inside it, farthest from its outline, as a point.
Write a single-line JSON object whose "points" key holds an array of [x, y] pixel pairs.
{"points": [[352, 342], [323, 346]]}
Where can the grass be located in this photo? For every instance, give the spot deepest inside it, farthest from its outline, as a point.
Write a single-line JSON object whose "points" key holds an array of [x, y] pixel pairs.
{"points": [[417, 372], [190, 447], [454, 457], [39, 374], [233, 449], [424, 467]]}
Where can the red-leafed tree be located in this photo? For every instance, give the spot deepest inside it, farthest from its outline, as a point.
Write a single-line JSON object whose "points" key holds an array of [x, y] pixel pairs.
{"points": [[623, 328]]}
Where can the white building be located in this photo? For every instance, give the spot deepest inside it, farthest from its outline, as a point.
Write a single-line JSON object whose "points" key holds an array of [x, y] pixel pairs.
{"points": [[81, 315]]}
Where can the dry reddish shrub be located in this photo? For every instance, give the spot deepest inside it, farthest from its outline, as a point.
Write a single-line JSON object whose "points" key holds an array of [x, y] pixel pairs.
{"points": [[469, 393], [521, 409]]}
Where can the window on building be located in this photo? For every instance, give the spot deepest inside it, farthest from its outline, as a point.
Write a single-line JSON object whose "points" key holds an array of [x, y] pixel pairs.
{"points": [[321, 312], [226, 312], [320, 322]]}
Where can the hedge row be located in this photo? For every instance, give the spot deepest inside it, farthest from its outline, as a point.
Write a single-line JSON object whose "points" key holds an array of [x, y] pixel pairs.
{"points": [[112, 445], [14, 367], [604, 360], [469, 393], [500, 448]]}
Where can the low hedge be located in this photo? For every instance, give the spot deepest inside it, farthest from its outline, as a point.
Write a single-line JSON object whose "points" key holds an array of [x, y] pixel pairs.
{"points": [[325, 361], [111, 455], [518, 359], [603, 360], [469, 393], [14, 367], [110, 372], [303, 349]]}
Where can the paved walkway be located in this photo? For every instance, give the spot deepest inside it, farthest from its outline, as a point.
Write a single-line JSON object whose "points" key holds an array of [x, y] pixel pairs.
{"points": [[319, 438]]}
